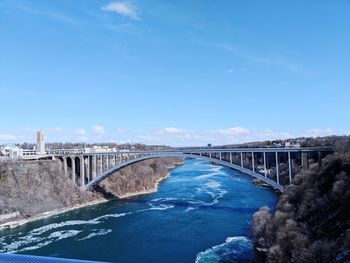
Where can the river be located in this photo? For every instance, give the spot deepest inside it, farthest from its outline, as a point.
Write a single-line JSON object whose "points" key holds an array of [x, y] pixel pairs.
{"points": [[201, 213]]}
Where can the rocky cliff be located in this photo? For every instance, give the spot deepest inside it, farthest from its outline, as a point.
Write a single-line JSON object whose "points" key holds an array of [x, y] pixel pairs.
{"points": [[31, 188], [139, 177]]}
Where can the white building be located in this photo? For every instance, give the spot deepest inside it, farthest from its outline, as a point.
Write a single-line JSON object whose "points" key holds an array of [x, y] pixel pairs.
{"points": [[11, 151]]}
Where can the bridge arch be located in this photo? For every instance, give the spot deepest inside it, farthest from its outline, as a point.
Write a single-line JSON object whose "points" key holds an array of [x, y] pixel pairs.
{"points": [[234, 166]]}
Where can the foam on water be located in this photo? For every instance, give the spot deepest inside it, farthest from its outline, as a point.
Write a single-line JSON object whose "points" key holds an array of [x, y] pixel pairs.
{"points": [[39, 237], [214, 189], [208, 173], [234, 249], [97, 232]]}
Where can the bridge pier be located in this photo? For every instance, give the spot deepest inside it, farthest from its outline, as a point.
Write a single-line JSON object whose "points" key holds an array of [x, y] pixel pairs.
{"points": [[242, 159], [65, 168], [277, 169], [289, 168], [73, 168], [93, 167], [100, 164], [82, 171], [304, 161], [253, 162], [265, 169]]}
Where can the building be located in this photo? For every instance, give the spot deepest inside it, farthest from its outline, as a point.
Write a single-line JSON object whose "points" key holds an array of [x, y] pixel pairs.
{"points": [[40, 142], [11, 151]]}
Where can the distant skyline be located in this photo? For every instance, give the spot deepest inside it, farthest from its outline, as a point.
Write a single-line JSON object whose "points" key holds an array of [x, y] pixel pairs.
{"points": [[178, 73]]}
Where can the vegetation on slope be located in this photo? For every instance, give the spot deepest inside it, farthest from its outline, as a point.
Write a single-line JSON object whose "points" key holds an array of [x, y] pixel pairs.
{"points": [[139, 177], [36, 187], [311, 222]]}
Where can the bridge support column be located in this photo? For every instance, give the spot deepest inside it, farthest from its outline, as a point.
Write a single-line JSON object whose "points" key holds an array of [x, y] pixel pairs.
{"points": [[65, 168], [230, 157], [111, 161], [73, 168], [107, 162], [265, 171], [115, 160], [289, 168], [277, 169], [242, 159], [93, 167], [220, 157], [82, 171], [304, 161], [101, 164], [210, 155], [253, 162]]}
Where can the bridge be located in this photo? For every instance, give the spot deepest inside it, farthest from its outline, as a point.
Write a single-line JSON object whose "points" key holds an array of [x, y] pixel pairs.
{"points": [[273, 166]]}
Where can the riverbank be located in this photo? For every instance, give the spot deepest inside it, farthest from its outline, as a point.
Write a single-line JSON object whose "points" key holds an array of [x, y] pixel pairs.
{"points": [[148, 191], [19, 222]]}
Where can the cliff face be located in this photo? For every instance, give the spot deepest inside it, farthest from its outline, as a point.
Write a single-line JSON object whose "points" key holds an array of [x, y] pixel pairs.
{"points": [[37, 187], [312, 218], [139, 177]]}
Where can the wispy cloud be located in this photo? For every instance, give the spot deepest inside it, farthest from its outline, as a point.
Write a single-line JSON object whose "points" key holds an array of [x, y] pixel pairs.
{"points": [[50, 14], [8, 138], [123, 8], [233, 135], [55, 129], [318, 132], [50, 129], [121, 130], [79, 131], [235, 131], [281, 61], [236, 70], [172, 130], [98, 130]]}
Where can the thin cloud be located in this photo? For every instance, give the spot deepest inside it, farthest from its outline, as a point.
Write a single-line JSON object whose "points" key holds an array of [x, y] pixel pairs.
{"points": [[98, 130], [8, 137], [267, 60], [319, 132], [122, 8], [55, 129], [279, 61], [50, 14], [172, 130], [235, 131], [121, 130], [79, 131]]}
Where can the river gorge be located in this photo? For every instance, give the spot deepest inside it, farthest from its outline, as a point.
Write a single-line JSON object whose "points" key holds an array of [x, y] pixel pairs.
{"points": [[200, 213]]}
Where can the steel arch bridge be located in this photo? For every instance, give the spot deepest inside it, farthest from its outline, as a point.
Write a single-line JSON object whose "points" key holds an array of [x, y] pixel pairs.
{"points": [[274, 166]]}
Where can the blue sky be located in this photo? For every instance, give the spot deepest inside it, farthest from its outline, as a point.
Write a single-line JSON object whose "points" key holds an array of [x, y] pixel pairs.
{"points": [[179, 72]]}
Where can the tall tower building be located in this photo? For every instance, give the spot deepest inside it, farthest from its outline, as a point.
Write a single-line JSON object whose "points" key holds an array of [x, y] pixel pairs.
{"points": [[40, 142]]}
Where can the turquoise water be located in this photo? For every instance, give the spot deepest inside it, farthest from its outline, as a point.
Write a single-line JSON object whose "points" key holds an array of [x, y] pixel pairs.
{"points": [[201, 213]]}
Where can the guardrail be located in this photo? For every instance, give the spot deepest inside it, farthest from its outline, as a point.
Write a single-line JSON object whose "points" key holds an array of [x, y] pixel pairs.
{"points": [[15, 258]]}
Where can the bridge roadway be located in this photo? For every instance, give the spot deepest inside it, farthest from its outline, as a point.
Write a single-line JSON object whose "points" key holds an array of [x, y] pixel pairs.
{"points": [[274, 166]]}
